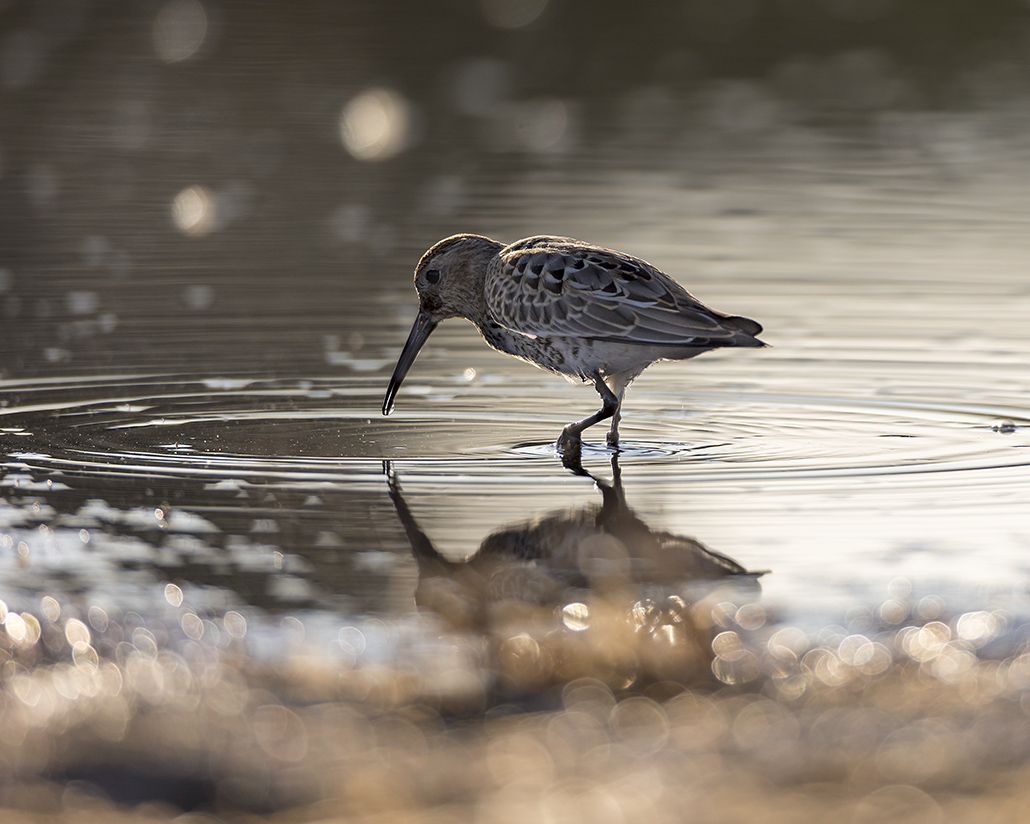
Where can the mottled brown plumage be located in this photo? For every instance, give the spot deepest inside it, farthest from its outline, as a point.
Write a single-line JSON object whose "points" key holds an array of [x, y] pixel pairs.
{"points": [[581, 311]]}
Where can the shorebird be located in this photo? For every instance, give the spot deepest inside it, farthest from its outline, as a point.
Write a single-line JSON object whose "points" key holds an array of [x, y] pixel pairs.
{"points": [[581, 311]]}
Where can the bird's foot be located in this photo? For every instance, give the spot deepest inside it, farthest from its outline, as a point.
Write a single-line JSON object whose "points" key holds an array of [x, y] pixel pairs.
{"points": [[570, 447]]}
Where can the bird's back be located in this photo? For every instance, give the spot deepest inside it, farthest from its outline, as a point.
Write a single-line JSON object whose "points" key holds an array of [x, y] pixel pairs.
{"points": [[559, 287]]}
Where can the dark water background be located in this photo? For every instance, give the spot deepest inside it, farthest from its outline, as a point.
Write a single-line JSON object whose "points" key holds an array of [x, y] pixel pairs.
{"points": [[209, 215]]}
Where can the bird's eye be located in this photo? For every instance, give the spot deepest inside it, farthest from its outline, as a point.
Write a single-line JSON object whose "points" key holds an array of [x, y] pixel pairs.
{"points": [[433, 276]]}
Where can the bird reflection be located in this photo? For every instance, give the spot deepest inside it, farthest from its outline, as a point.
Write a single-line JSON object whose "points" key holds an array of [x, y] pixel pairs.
{"points": [[597, 567]]}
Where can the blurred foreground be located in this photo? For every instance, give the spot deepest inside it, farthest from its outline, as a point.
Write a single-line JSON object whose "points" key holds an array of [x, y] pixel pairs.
{"points": [[922, 722], [558, 674]]}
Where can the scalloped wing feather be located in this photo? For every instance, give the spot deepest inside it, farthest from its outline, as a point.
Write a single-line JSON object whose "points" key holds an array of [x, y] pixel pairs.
{"points": [[559, 287]]}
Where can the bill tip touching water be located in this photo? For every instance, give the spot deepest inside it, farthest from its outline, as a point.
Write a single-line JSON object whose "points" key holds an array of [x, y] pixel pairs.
{"points": [[581, 311]]}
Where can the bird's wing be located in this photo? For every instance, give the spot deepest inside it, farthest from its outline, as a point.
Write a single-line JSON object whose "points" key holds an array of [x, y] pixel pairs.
{"points": [[558, 287]]}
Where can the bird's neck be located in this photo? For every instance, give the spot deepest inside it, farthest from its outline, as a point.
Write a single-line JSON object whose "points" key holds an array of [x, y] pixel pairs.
{"points": [[473, 303]]}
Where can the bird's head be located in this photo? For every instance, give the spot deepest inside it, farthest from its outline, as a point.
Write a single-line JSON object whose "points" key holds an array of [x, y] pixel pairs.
{"points": [[449, 277], [449, 280]]}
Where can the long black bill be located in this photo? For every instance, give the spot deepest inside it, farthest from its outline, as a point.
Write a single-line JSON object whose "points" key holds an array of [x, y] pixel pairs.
{"points": [[420, 332]]}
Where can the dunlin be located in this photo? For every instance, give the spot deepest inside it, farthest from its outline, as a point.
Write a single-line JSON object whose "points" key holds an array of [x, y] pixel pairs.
{"points": [[581, 311]]}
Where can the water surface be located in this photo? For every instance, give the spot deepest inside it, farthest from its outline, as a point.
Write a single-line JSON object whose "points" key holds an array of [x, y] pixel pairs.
{"points": [[211, 538]]}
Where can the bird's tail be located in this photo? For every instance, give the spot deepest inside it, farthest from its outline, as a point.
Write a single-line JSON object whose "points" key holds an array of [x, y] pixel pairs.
{"points": [[750, 328]]}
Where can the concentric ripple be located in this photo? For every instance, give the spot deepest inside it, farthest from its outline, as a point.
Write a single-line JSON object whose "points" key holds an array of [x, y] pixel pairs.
{"points": [[319, 429]]}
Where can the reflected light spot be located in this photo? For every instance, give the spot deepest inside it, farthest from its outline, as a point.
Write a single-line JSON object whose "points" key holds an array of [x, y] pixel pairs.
{"points": [[867, 657], [173, 595], [22, 628], [26, 689], [63, 683], [727, 645], [352, 639], [192, 626], [76, 632], [750, 616], [925, 643], [469, 374], [737, 670], [1017, 673], [194, 211], [825, 666], [541, 124], [899, 588], [954, 665], [724, 615], [82, 302], [376, 125], [977, 627], [145, 642], [94, 250], [851, 649], [53, 354], [522, 661], [640, 724], [280, 733], [512, 14], [98, 619], [15, 626], [50, 608], [893, 611], [293, 628], [787, 644], [235, 625], [898, 802], [198, 297], [349, 223], [179, 30], [85, 657], [576, 617]]}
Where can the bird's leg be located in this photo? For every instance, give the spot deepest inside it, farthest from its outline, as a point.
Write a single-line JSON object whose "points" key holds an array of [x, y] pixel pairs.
{"points": [[617, 384], [613, 432], [569, 442]]}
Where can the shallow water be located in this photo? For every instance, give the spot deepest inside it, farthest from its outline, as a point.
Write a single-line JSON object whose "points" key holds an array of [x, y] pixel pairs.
{"points": [[883, 435], [202, 508]]}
